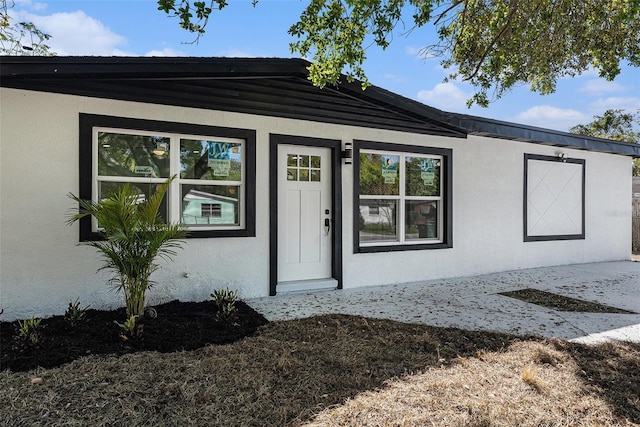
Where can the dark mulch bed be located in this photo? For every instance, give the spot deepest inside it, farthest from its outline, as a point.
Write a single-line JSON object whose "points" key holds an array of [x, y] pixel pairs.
{"points": [[562, 303], [178, 326]]}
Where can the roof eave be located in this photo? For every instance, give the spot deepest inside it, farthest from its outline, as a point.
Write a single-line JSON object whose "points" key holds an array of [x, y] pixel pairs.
{"points": [[518, 132], [29, 67]]}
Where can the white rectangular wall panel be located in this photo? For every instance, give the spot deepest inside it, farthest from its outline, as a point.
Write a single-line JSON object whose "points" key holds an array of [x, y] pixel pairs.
{"points": [[554, 198]]}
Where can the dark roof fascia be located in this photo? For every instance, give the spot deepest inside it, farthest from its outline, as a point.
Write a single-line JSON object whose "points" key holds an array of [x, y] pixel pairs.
{"points": [[518, 132], [38, 72], [147, 68], [184, 68]]}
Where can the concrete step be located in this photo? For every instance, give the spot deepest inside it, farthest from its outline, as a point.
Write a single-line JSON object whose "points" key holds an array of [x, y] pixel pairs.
{"points": [[306, 286]]}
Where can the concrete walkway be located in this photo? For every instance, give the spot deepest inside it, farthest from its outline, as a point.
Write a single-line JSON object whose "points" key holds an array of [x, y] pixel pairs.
{"points": [[473, 303]]}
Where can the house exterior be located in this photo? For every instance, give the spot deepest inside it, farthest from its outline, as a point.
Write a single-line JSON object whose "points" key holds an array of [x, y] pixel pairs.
{"points": [[284, 186]]}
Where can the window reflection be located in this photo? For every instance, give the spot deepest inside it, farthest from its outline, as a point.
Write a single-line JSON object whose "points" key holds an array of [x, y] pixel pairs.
{"points": [[378, 220]]}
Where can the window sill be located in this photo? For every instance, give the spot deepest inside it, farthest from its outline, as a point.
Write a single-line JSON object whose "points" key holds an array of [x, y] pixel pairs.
{"points": [[396, 248]]}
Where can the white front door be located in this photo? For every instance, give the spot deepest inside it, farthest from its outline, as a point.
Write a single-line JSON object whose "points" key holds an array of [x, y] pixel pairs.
{"points": [[304, 213]]}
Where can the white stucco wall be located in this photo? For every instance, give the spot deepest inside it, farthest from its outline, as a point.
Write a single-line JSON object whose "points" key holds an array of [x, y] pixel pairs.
{"points": [[42, 267]]}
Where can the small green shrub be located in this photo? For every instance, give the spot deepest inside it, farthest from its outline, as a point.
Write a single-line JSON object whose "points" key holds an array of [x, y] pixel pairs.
{"points": [[130, 328], [75, 315], [29, 333], [227, 314], [224, 296], [226, 310]]}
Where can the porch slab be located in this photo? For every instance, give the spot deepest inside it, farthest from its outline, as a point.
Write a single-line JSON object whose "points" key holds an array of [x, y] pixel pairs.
{"points": [[474, 303]]}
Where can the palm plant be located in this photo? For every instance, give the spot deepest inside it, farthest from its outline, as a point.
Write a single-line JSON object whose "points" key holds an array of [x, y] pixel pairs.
{"points": [[135, 236]]}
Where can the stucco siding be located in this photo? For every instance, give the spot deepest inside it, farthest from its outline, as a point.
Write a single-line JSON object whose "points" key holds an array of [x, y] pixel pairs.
{"points": [[42, 266]]}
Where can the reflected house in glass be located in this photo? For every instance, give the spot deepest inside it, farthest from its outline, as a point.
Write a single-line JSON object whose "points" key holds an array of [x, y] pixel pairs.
{"points": [[284, 186], [201, 208]]}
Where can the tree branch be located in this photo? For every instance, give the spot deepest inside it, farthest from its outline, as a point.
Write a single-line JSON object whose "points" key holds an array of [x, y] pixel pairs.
{"points": [[495, 40]]}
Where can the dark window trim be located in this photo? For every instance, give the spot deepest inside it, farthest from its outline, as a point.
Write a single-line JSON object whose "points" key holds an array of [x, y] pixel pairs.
{"points": [[88, 121], [336, 187], [447, 191], [554, 159]]}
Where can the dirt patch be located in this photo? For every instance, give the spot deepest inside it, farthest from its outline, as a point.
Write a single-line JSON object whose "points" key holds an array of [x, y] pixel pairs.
{"points": [[562, 303], [178, 326]]}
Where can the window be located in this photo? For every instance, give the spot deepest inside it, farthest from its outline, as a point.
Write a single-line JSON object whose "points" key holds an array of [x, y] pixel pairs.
{"points": [[210, 210], [303, 168], [213, 194], [402, 197]]}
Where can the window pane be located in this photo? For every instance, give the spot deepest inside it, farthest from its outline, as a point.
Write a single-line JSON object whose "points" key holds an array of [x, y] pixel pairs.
{"points": [[210, 204], [421, 219], [210, 160], [144, 191], [133, 155], [379, 174], [211, 210], [422, 176], [378, 219]]}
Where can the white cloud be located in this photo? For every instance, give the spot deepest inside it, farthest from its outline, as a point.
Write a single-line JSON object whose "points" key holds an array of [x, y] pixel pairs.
{"points": [[395, 78], [616, 102], [167, 51], [419, 52], [550, 117], [75, 33], [446, 96], [30, 5], [596, 87], [412, 50], [589, 72]]}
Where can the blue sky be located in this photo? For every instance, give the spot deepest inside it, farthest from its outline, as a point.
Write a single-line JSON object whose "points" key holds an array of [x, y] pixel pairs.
{"points": [[137, 28]]}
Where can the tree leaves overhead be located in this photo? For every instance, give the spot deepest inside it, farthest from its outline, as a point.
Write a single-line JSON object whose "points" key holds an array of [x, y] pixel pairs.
{"points": [[495, 45], [21, 38], [336, 33], [185, 10]]}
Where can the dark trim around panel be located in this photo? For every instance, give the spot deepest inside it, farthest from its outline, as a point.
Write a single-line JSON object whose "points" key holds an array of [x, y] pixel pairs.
{"points": [[447, 189], [336, 187], [553, 159], [88, 121]]}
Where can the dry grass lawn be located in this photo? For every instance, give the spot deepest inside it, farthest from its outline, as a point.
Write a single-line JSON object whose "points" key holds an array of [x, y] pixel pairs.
{"points": [[340, 371], [529, 384]]}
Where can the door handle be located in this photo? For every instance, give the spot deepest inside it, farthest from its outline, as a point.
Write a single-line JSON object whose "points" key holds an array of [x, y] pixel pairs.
{"points": [[327, 226]]}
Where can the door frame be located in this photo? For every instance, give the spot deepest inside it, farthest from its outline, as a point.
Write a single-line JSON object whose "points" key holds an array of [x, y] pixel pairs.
{"points": [[276, 140]]}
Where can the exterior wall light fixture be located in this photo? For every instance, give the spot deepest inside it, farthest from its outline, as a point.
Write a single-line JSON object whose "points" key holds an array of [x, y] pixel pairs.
{"points": [[347, 154]]}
